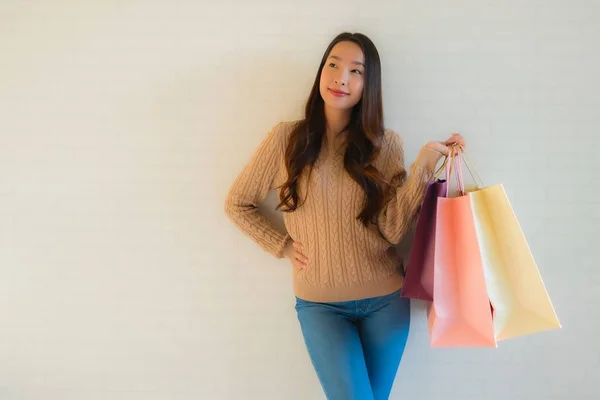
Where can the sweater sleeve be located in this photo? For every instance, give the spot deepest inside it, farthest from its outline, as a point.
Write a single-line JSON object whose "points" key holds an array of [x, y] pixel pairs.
{"points": [[251, 188], [407, 193]]}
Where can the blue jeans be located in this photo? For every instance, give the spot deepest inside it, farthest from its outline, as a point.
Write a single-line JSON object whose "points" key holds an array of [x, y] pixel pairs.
{"points": [[356, 346]]}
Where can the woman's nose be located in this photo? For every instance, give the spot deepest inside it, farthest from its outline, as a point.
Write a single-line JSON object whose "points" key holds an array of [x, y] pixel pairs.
{"points": [[340, 80]]}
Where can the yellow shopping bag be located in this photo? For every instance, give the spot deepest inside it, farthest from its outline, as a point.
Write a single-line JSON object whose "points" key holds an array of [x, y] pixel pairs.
{"points": [[516, 289]]}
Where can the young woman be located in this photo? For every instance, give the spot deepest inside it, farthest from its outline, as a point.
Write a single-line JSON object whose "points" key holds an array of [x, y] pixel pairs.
{"points": [[346, 198]]}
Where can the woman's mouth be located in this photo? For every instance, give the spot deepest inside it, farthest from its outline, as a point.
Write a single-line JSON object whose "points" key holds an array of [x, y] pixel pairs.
{"points": [[338, 93]]}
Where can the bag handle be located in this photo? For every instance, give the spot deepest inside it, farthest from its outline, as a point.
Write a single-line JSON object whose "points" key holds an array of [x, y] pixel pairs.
{"points": [[459, 171], [437, 174], [458, 156], [444, 165], [472, 171], [454, 164]]}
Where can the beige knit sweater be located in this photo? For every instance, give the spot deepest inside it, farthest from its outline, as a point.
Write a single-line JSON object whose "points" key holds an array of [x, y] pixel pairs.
{"points": [[346, 260]]}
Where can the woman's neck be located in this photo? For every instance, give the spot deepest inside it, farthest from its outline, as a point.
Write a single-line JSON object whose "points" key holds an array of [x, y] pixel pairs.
{"points": [[336, 121]]}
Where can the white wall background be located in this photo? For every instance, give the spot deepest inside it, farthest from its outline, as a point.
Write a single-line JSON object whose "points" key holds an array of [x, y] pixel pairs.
{"points": [[123, 123]]}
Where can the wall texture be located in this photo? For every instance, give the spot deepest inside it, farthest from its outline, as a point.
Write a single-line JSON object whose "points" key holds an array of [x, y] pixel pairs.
{"points": [[122, 125]]}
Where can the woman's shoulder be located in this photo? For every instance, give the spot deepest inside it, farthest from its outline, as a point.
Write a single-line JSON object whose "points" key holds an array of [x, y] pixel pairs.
{"points": [[290, 124], [392, 141], [392, 135], [283, 129]]}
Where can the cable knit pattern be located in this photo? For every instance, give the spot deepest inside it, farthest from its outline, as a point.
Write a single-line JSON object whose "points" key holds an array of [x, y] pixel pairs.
{"points": [[347, 261]]}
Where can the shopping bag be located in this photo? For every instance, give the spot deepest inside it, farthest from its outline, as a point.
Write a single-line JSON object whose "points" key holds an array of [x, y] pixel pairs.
{"points": [[460, 314], [418, 280], [517, 292]]}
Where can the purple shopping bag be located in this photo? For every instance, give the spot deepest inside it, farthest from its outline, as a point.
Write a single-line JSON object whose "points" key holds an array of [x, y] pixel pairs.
{"points": [[418, 280]]}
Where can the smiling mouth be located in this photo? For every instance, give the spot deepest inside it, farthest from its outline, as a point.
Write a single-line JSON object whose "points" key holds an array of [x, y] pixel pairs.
{"points": [[338, 92]]}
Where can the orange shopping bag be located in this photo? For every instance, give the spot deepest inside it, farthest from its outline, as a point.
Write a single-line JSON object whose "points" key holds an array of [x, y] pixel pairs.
{"points": [[460, 314]]}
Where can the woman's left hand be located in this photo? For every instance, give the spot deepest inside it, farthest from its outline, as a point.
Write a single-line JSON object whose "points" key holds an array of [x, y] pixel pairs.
{"points": [[443, 147]]}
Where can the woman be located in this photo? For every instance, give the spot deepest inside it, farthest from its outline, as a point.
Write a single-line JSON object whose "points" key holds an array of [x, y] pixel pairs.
{"points": [[346, 200]]}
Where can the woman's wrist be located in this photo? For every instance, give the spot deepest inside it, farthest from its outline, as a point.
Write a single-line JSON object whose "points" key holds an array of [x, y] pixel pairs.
{"points": [[428, 158]]}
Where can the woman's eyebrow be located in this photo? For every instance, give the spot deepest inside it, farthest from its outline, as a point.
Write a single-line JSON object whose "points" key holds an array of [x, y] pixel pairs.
{"points": [[353, 62]]}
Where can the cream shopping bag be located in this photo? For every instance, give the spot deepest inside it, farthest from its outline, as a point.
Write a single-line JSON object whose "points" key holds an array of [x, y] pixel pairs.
{"points": [[517, 293]]}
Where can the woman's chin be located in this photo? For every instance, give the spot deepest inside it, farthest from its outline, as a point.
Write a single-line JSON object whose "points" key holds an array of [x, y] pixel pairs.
{"points": [[337, 104]]}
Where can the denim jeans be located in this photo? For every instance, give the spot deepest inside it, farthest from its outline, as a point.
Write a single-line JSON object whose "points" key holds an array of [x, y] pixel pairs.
{"points": [[356, 346]]}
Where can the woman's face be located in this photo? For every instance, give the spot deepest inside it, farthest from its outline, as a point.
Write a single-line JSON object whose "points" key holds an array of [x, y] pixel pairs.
{"points": [[342, 77]]}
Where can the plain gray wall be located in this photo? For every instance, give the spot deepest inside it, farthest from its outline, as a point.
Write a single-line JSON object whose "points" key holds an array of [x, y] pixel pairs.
{"points": [[123, 124]]}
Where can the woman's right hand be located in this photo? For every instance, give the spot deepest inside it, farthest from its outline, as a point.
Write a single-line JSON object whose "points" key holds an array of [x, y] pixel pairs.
{"points": [[294, 251]]}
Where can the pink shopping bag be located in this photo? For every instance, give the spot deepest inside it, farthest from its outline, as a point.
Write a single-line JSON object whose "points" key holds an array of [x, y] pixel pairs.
{"points": [[460, 314]]}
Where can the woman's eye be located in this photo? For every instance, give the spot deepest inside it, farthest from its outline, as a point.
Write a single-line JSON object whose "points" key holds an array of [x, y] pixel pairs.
{"points": [[355, 71]]}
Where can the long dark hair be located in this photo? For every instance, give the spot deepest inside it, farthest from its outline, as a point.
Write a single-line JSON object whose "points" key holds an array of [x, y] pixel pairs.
{"points": [[365, 134]]}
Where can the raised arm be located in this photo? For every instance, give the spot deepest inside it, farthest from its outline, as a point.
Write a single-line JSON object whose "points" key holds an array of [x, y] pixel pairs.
{"points": [[407, 193], [251, 188]]}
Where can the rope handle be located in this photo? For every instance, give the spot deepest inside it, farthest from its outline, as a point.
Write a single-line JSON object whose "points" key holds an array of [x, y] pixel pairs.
{"points": [[453, 163]]}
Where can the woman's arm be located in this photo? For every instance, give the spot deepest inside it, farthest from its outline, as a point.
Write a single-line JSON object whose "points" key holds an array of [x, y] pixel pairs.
{"points": [[251, 188], [407, 193]]}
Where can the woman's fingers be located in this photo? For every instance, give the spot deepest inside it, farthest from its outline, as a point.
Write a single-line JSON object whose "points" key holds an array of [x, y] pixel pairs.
{"points": [[456, 138], [298, 246], [301, 260], [299, 254]]}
